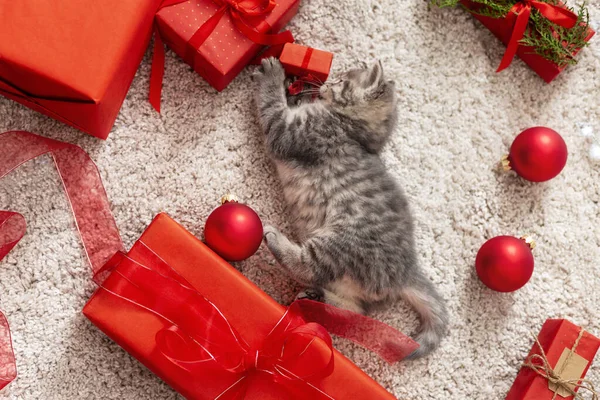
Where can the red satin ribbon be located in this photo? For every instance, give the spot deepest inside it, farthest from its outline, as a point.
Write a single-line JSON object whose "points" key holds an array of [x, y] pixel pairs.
{"points": [[88, 201], [247, 16], [157, 71], [199, 339], [307, 57], [519, 15]]}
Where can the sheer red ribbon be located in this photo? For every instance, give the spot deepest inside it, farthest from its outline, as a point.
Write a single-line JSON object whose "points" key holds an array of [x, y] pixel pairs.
{"points": [[247, 16], [12, 229], [88, 201], [199, 335], [200, 340], [518, 16]]}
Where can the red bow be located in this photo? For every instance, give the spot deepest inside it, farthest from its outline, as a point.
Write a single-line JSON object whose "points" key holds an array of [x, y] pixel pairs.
{"points": [[521, 12], [248, 18], [198, 338]]}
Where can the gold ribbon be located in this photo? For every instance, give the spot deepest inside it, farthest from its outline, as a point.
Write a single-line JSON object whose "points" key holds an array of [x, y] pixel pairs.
{"points": [[543, 369]]}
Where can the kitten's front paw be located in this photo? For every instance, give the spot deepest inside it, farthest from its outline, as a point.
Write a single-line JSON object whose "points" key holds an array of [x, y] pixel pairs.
{"points": [[271, 70], [270, 233]]}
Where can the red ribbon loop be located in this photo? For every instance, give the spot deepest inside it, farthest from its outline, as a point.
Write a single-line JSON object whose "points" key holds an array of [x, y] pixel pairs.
{"points": [[521, 12]]}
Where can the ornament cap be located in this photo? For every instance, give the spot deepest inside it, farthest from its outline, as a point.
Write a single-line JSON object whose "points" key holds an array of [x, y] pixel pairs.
{"points": [[505, 163], [229, 198], [529, 240]]}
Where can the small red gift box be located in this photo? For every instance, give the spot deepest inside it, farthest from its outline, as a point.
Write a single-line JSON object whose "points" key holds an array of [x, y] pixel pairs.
{"points": [[73, 60], [503, 29], [563, 349], [150, 304], [301, 61], [219, 38]]}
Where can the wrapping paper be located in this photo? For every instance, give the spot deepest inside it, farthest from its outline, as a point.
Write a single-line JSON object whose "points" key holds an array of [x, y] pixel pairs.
{"points": [[303, 61], [554, 342], [120, 308], [73, 60], [505, 28], [219, 38]]}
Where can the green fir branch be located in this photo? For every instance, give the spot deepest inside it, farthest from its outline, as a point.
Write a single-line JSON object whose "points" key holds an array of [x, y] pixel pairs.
{"points": [[550, 41]]}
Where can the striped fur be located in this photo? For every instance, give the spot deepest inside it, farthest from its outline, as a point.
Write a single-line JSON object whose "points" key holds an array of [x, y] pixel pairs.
{"points": [[355, 244]]}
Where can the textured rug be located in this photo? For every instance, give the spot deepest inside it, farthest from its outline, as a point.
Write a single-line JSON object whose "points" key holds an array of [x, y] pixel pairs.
{"points": [[457, 118]]}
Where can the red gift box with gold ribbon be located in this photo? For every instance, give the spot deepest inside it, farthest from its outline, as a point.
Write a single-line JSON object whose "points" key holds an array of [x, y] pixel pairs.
{"points": [[189, 316], [218, 38], [557, 363], [511, 29], [73, 60]]}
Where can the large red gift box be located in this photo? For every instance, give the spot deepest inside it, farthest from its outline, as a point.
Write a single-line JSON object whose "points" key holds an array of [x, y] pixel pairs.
{"points": [[73, 60], [568, 351], [247, 308], [219, 38], [503, 28]]}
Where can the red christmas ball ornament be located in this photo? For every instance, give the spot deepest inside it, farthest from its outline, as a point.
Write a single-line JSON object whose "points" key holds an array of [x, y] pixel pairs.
{"points": [[505, 263], [233, 230], [537, 154]]}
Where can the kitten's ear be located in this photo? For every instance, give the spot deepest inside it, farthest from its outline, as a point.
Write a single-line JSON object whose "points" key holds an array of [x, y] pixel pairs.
{"points": [[375, 74]]}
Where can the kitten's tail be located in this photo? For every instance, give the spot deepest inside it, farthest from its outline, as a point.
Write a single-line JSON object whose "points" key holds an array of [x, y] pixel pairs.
{"points": [[422, 295]]}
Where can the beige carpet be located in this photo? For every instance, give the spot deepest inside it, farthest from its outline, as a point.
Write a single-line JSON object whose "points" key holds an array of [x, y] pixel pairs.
{"points": [[457, 118]]}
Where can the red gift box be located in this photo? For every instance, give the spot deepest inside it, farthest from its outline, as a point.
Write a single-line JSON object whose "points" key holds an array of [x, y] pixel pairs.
{"points": [[173, 252], [503, 29], [73, 61], [301, 61], [563, 349], [219, 38]]}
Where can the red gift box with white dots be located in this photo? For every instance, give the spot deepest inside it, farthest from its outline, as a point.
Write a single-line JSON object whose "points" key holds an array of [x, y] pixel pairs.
{"points": [[227, 50]]}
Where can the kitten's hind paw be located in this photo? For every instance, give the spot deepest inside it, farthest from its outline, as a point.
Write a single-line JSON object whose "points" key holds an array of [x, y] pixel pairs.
{"points": [[315, 294]]}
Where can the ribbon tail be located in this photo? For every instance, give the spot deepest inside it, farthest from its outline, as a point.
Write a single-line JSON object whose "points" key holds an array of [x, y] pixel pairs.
{"points": [[12, 229], [8, 366], [157, 71], [517, 34], [382, 339]]}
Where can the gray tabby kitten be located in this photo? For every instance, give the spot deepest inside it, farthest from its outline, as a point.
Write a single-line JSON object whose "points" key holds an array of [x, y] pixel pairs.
{"points": [[353, 222]]}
